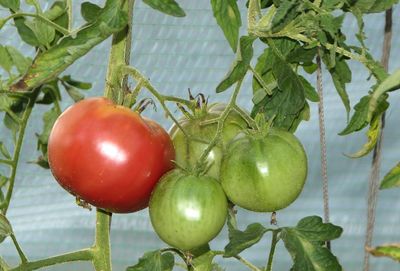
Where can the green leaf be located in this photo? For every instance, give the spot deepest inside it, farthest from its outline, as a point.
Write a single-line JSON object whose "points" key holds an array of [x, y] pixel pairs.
{"points": [[169, 7], [304, 114], [240, 240], [241, 64], [227, 14], [5, 228], [285, 13], [74, 93], [309, 91], [391, 251], [4, 151], [76, 83], [360, 118], [392, 178], [203, 262], [389, 84], [373, 135], [26, 34], [11, 4], [373, 6], [90, 11], [304, 243], [51, 63], [21, 62], [44, 33], [154, 261], [6, 61], [302, 55], [341, 75]]}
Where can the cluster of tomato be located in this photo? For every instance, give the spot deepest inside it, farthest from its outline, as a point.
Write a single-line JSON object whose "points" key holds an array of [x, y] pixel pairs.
{"points": [[116, 160]]}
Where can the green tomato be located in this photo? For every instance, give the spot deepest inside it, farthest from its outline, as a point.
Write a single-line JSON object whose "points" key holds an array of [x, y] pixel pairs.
{"points": [[264, 173], [187, 211], [188, 151]]}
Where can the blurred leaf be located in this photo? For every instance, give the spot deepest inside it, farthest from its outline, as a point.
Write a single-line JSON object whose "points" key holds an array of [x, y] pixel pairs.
{"points": [[301, 55], [285, 13], [75, 83], [373, 135], [169, 7], [304, 243], [6, 61], [241, 240], [51, 63], [4, 151], [21, 62], [74, 93], [90, 11], [44, 33], [5, 228], [154, 261], [391, 251], [304, 114], [203, 262], [373, 6], [58, 13], [50, 93], [11, 4], [241, 64], [26, 34], [392, 178], [227, 14]]}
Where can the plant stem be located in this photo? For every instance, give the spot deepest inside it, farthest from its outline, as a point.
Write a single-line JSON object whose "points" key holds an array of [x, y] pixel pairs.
{"points": [[247, 263], [17, 150], [102, 248], [246, 117], [80, 255], [21, 254], [274, 241], [57, 27]]}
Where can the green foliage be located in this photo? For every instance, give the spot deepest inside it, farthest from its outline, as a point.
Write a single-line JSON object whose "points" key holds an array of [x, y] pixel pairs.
{"points": [[154, 261], [228, 18], [90, 11], [305, 244], [391, 251], [5, 228], [170, 7], [392, 178], [11, 4], [372, 6]]}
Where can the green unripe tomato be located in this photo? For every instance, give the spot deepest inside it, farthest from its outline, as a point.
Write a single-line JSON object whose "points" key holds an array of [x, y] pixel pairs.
{"points": [[264, 173], [187, 211], [188, 151]]}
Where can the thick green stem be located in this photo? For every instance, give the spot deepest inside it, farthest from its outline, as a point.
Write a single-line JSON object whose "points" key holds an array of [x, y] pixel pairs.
{"points": [[80, 255], [21, 254], [102, 248], [274, 241], [240, 259]]}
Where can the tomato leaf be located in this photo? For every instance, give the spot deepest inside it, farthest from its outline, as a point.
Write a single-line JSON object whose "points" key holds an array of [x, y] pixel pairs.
{"points": [[11, 4], [304, 243], [90, 11], [154, 261], [373, 6], [26, 34], [6, 61], [390, 250], [169, 7], [76, 83], [285, 13], [21, 62], [51, 63], [240, 240], [309, 91], [203, 262], [227, 14], [4, 151], [240, 66], [5, 228], [44, 33], [392, 178]]}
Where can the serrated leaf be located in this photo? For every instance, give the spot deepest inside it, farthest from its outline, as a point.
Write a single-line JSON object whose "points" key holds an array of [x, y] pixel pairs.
{"points": [[241, 64], [90, 11], [392, 178], [154, 261], [169, 7], [373, 6], [21, 62], [390, 250], [227, 14], [5, 228], [76, 83], [391, 83], [240, 240], [304, 245], [4, 151], [285, 13], [51, 63], [373, 135], [11, 4], [6, 61]]}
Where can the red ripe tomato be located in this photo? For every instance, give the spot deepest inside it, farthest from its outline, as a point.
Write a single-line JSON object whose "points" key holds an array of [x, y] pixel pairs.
{"points": [[108, 155]]}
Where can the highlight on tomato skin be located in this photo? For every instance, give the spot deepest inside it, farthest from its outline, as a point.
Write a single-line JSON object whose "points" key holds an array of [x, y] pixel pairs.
{"points": [[108, 155]]}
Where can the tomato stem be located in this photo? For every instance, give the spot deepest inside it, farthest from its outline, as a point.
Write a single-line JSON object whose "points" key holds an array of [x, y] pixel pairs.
{"points": [[274, 241], [102, 248], [21, 254]]}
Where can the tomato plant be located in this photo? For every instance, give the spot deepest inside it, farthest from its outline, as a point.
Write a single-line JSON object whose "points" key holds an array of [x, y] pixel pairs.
{"points": [[264, 173], [108, 155], [187, 211], [189, 150]]}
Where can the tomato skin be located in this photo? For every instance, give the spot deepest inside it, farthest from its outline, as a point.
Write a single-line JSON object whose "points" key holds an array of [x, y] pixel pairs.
{"points": [[188, 152], [264, 174], [187, 211], [108, 155]]}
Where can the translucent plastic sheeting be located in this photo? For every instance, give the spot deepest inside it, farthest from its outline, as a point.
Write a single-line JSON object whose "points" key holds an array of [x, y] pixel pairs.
{"points": [[191, 52]]}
